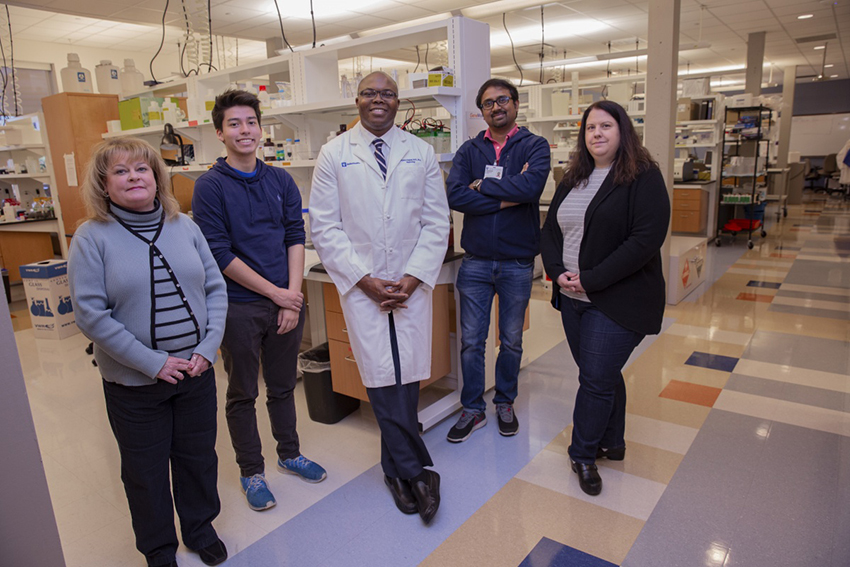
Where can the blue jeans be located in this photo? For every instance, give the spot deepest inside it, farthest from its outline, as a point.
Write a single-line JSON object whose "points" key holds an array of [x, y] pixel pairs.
{"points": [[601, 349], [477, 281]]}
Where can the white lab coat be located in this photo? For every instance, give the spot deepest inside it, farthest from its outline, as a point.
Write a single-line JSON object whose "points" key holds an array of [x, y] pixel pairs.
{"points": [[362, 225]]}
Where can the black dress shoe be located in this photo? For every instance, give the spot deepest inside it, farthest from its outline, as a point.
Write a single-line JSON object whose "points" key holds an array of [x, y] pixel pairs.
{"points": [[613, 454], [588, 478], [400, 490], [427, 494], [214, 553]]}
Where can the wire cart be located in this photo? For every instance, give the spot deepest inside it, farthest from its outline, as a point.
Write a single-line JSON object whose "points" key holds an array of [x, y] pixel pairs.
{"points": [[743, 172]]}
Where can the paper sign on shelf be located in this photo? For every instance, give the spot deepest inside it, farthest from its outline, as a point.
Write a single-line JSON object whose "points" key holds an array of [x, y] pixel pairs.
{"points": [[71, 169]]}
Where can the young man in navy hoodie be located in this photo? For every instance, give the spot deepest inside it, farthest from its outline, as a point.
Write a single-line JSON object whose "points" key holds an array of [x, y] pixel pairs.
{"points": [[250, 214], [496, 181]]}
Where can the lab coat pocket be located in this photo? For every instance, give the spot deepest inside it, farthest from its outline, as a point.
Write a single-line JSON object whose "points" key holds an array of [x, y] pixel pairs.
{"points": [[411, 179]]}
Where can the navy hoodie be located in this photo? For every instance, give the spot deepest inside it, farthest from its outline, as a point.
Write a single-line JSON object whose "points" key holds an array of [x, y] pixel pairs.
{"points": [[489, 231], [255, 219]]}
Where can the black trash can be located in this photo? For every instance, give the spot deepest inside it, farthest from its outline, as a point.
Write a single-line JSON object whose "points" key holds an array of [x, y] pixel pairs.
{"points": [[323, 404]]}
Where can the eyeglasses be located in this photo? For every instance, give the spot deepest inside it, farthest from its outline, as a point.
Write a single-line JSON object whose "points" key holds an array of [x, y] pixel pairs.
{"points": [[501, 101], [385, 94]]}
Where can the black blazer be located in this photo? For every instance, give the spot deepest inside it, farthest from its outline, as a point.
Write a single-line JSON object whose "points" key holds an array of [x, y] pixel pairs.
{"points": [[620, 254]]}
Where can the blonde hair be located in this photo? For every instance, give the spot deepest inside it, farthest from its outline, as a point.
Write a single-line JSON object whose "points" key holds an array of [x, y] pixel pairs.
{"points": [[93, 190]]}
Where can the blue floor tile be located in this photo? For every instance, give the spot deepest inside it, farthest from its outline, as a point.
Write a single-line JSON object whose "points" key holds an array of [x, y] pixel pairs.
{"points": [[549, 553], [770, 285], [712, 361]]}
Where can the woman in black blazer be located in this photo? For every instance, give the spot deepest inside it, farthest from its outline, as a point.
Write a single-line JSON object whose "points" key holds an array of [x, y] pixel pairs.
{"points": [[601, 245]]}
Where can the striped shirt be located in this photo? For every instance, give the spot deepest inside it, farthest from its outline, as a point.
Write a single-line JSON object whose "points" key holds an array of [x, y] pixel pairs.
{"points": [[174, 327], [571, 221]]}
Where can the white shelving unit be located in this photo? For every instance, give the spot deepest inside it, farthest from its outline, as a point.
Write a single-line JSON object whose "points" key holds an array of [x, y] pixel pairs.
{"points": [[30, 185]]}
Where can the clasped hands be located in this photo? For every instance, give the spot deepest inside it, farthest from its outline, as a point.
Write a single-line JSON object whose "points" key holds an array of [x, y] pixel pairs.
{"points": [[290, 303], [570, 282], [174, 367], [389, 295]]}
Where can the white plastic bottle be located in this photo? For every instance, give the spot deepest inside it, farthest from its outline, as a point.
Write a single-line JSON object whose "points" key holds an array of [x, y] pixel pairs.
{"points": [[265, 99], [75, 79], [107, 77], [298, 150], [290, 149], [169, 112], [154, 114], [132, 80]]}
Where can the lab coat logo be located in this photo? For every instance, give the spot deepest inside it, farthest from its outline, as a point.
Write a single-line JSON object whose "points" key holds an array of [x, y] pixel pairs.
{"points": [[347, 163]]}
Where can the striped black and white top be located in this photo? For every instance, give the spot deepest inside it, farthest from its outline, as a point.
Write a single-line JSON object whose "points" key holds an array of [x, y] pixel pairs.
{"points": [[174, 327], [571, 221]]}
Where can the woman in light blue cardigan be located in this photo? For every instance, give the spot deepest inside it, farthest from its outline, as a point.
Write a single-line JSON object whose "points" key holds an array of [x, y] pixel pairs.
{"points": [[147, 291]]}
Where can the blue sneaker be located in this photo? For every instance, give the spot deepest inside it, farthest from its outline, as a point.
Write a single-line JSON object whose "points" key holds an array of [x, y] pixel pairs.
{"points": [[303, 467], [257, 492]]}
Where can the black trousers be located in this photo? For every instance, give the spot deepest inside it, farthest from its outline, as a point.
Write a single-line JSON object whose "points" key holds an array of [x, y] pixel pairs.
{"points": [[250, 337], [160, 425], [403, 452]]}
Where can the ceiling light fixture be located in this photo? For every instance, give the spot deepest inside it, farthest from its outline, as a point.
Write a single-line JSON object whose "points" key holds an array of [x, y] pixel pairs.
{"points": [[820, 47], [805, 16], [827, 66], [833, 76]]}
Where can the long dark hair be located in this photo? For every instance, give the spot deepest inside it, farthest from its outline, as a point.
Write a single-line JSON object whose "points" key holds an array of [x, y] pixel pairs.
{"points": [[631, 159]]}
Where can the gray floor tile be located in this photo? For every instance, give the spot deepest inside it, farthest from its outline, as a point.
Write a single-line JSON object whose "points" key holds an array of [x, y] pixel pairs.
{"points": [[814, 296], [827, 274], [811, 312], [818, 397], [799, 351]]}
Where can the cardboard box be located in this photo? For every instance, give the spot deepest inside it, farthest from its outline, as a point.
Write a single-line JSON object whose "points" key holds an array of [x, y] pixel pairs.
{"points": [[686, 110], [49, 299], [433, 78]]}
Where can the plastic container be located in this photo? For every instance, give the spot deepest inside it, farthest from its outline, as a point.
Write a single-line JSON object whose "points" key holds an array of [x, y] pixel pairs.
{"points": [[132, 80], [107, 77], [323, 404], [76, 79], [265, 100], [154, 114]]}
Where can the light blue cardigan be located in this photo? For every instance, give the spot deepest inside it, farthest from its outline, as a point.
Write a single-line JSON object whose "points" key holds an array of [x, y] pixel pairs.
{"points": [[110, 278]]}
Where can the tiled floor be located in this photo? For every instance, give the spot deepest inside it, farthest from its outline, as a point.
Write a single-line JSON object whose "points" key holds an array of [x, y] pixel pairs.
{"points": [[738, 433]]}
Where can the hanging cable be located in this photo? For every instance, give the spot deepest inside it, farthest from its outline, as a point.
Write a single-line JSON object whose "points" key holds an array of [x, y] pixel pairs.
{"points": [[417, 59], [280, 19], [312, 17], [513, 50], [427, 47], [16, 88], [542, 44], [161, 42]]}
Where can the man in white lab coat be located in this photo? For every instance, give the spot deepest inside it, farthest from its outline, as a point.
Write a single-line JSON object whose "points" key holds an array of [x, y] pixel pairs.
{"points": [[380, 222]]}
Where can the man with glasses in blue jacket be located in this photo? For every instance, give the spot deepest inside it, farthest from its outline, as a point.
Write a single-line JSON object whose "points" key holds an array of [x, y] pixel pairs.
{"points": [[496, 181]]}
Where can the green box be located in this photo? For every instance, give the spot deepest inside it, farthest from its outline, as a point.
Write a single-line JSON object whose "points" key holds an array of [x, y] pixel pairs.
{"points": [[134, 112]]}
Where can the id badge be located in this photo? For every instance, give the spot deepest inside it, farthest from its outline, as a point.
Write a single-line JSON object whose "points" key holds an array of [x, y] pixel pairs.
{"points": [[493, 172]]}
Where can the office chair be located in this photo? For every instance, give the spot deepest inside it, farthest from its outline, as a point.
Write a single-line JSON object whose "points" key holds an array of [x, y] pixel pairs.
{"points": [[810, 174]]}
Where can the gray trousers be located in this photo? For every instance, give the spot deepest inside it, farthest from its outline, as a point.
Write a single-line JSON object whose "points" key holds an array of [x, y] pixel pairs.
{"points": [[250, 338], [403, 452]]}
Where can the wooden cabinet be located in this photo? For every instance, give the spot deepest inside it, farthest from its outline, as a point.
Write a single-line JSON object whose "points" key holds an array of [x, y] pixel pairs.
{"points": [[75, 123], [690, 210], [344, 371], [19, 248]]}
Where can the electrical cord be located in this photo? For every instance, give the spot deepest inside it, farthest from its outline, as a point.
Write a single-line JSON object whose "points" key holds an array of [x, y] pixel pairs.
{"points": [[417, 59], [5, 74], [542, 44], [427, 48], [280, 19], [513, 50], [313, 18], [161, 42], [18, 103]]}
